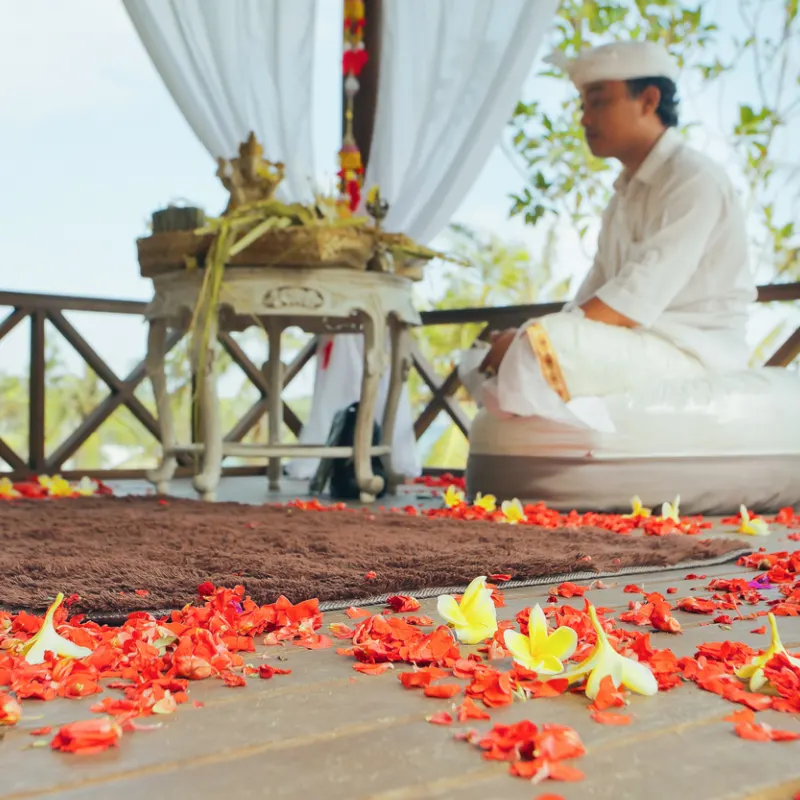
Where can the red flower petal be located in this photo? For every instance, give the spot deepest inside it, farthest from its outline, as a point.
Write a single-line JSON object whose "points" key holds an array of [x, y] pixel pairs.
{"points": [[87, 736], [356, 613], [266, 671], [371, 669], [10, 710], [400, 603], [443, 690], [608, 718], [468, 710]]}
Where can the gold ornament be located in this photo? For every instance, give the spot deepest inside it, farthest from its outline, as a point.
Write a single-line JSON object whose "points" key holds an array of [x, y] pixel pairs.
{"points": [[249, 178]]}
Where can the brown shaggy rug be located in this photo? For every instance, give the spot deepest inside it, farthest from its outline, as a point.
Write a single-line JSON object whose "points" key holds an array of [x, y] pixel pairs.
{"points": [[106, 549]]}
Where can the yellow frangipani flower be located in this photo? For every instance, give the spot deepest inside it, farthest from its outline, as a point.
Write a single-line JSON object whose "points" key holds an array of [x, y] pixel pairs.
{"points": [[604, 661], [85, 487], [539, 651], [373, 194], [474, 618], [453, 497], [488, 502], [513, 512], [637, 509], [47, 640], [751, 526], [56, 486], [7, 490], [672, 510], [754, 671]]}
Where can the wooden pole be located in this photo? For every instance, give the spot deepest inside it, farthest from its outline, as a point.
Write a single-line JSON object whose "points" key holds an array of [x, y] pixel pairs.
{"points": [[366, 101], [36, 394]]}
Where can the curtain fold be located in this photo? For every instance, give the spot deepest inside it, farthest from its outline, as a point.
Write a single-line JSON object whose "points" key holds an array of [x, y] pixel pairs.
{"points": [[451, 73], [237, 66]]}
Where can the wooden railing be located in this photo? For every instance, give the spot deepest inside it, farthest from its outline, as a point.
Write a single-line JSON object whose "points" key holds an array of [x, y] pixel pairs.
{"points": [[41, 308]]}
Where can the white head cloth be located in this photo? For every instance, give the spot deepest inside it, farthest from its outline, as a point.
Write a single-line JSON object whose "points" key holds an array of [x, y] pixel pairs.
{"points": [[620, 61]]}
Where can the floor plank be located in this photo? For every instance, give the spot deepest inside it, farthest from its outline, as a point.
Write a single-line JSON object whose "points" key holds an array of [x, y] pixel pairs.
{"points": [[326, 731]]}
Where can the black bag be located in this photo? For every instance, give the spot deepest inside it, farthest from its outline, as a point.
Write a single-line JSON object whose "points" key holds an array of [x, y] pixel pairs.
{"points": [[342, 471]]}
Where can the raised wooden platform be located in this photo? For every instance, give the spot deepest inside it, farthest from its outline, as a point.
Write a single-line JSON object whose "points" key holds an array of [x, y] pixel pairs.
{"points": [[327, 732]]}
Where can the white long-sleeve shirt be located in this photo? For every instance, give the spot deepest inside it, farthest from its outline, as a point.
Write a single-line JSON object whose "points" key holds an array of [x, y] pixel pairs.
{"points": [[672, 255]]}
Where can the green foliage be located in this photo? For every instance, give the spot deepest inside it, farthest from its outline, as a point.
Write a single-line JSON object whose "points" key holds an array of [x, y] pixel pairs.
{"points": [[121, 442]]}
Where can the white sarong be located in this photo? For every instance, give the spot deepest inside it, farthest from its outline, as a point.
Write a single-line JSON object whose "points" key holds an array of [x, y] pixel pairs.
{"points": [[559, 363]]}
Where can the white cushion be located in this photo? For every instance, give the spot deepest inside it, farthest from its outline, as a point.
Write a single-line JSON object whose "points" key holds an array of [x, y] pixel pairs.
{"points": [[719, 441]]}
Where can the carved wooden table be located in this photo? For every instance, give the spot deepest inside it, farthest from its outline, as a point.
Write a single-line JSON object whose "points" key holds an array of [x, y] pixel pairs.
{"points": [[323, 300]]}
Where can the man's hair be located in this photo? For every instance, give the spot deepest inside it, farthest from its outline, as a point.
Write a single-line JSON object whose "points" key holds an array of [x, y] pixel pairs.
{"points": [[668, 105]]}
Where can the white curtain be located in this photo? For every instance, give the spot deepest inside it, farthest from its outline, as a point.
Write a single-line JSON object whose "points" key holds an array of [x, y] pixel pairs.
{"points": [[451, 72], [234, 66]]}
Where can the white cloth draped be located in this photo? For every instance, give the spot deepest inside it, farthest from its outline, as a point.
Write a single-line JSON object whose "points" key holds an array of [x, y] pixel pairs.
{"points": [[451, 72], [237, 66]]}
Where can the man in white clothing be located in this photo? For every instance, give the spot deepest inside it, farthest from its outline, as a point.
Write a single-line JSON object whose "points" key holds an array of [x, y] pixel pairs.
{"points": [[668, 292]]}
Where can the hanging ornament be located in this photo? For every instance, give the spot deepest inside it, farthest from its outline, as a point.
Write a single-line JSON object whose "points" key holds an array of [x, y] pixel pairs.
{"points": [[354, 59]]}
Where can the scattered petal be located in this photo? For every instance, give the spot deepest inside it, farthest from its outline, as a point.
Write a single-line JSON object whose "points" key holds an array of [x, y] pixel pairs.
{"points": [[609, 718], [87, 737], [443, 690], [400, 603], [440, 718], [371, 669], [357, 613], [10, 710], [266, 671]]}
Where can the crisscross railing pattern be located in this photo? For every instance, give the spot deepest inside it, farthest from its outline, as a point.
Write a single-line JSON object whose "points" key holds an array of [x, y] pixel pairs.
{"points": [[43, 308]]}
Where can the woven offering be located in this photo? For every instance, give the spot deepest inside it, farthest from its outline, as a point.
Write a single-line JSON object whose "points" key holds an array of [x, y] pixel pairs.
{"points": [[297, 246]]}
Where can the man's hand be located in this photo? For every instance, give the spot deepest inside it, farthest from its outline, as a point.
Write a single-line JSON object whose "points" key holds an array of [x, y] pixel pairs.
{"points": [[500, 344], [595, 309]]}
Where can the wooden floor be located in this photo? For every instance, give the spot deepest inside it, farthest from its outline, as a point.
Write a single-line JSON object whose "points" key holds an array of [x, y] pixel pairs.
{"points": [[327, 732]]}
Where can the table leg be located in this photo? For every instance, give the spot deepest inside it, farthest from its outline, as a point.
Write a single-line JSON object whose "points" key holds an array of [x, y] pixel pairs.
{"points": [[154, 362], [275, 411], [207, 480], [400, 344], [374, 365]]}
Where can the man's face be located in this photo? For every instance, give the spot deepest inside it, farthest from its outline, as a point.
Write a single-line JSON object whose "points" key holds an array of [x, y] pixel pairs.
{"points": [[610, 117]]}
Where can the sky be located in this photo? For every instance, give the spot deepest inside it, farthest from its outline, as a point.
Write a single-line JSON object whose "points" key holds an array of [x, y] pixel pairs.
{"points": [[92, 143]]}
